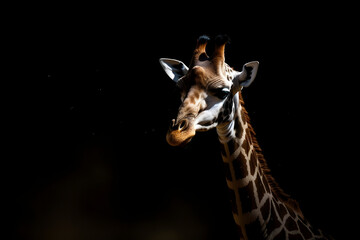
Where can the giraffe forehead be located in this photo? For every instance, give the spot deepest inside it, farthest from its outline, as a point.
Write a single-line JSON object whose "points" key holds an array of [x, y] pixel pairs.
{"points": [[207, 77]]}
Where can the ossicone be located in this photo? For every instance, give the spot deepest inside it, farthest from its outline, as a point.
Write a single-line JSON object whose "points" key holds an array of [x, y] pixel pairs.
{"points": [[222, 39], [200, 50]]}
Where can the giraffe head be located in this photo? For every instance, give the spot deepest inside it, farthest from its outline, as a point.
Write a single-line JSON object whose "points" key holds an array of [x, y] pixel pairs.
{"points": [[208, 87]]}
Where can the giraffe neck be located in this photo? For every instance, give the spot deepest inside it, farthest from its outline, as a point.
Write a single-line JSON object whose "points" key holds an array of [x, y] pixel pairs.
{"points": [[261, 210]]}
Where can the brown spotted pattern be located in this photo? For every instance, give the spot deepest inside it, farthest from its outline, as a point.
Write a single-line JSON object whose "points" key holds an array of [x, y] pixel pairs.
{"points": [[260, 209]]}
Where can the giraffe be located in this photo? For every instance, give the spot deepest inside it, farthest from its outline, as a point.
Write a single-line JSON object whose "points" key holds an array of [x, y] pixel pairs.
{"points": [[211, 98]]}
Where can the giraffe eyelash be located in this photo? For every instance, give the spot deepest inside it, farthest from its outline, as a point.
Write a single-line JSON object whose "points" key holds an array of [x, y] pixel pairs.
{"points": [[221, 93]]}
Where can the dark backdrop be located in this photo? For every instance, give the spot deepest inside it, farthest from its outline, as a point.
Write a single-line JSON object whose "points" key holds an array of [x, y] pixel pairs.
{"points": [[90, 160]]}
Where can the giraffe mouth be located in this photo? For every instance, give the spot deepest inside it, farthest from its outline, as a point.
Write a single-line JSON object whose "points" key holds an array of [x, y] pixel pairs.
{"points": [[179, 138], [181, 133]]}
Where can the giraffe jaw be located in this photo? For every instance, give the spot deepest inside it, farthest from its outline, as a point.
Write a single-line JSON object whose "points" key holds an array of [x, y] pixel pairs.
{"points": [[204, 128]]}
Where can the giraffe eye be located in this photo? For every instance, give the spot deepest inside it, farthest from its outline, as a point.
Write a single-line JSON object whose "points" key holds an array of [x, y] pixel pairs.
{"points": [[222, 93]]}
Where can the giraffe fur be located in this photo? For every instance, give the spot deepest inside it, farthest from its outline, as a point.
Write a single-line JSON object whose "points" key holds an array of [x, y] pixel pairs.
{"points": [[211, 98]]}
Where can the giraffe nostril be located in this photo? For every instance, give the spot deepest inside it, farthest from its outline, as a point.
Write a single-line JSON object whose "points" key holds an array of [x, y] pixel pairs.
{"points": [[183, 124]]}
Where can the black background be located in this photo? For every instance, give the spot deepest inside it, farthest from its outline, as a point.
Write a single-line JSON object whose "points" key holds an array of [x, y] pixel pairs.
{"points": [[90, 160]]}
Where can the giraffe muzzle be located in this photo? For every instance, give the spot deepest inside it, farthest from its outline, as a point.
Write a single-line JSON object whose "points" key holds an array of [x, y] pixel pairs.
{"points": [[180, 132]]}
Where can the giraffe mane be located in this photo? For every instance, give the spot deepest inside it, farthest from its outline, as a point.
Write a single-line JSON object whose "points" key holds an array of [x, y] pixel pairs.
{"points": [[277, 190]]}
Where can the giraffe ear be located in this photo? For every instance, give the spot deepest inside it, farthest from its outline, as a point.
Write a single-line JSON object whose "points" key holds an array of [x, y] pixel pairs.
{"points": [[175, 69], [247, 75]]}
